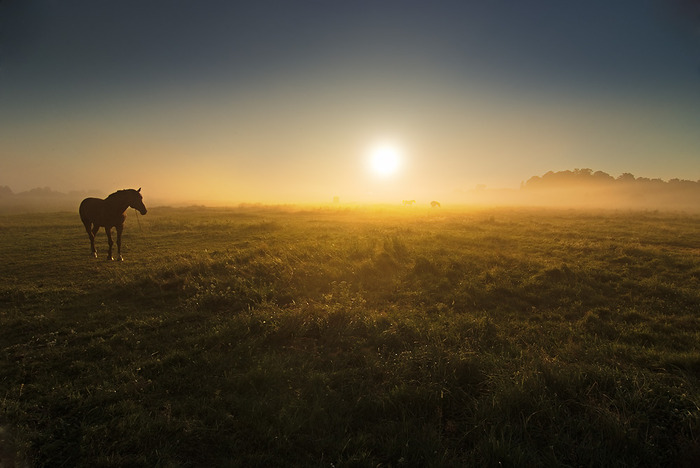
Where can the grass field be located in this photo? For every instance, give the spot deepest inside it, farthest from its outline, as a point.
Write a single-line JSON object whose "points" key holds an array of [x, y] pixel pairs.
{"points": [[360, 337]]}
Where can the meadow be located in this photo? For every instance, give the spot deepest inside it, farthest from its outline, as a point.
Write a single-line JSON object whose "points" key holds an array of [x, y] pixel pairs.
{"points": [[335, 337]]}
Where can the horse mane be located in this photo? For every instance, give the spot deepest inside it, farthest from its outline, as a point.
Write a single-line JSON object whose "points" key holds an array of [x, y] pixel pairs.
{"points": [[118, 193]]}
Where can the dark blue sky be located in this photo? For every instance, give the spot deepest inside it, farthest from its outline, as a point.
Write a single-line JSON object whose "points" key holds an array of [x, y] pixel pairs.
{"points": [[70, 45], [134, 59]]}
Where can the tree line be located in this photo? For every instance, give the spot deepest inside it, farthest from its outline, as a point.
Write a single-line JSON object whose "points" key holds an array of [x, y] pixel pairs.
{"points": [[586, 177]]}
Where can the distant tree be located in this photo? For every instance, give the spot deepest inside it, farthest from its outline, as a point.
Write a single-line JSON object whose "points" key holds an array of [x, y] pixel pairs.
{"points": [[601, 177], [39, 191], [553, 179], [626, 177], [682, 183], [5, 191], [532, 182]]}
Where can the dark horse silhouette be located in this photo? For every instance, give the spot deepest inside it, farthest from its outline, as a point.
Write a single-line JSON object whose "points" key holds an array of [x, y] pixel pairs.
{"points": [[108, 213]]}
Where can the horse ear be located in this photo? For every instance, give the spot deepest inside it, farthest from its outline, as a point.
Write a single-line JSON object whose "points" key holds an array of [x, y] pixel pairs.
{"points": [[139, 190]]}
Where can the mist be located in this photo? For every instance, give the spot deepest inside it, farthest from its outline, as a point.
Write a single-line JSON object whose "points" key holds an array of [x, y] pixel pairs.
{"points": [[577, 189]]}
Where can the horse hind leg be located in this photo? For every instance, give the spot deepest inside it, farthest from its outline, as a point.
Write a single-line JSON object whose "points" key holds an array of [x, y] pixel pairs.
{"points": [[91, 232], [92, 240]]}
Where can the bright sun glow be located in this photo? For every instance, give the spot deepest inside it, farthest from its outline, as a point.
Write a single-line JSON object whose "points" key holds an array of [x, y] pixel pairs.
{"points": [[385, 159]]}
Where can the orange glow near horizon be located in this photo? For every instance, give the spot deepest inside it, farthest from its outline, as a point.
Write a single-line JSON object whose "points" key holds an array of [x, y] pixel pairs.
{"points": [[258, 147]]}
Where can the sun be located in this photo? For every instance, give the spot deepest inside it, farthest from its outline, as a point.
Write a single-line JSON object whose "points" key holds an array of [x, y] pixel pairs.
{"points": [[385, 159]]}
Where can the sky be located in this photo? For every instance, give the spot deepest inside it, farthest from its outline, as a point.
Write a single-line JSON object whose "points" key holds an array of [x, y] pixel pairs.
{"points": [[281, 101]]}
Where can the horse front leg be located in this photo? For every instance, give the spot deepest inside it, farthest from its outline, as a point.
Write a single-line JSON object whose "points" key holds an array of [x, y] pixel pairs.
{"points": [[120, 228], [110, 242]]}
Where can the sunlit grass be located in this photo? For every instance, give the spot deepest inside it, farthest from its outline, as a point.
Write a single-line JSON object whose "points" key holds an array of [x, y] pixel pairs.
{"points": [[261, 336]]}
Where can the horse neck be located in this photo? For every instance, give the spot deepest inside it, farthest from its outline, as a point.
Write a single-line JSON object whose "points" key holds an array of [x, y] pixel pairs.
{"points": [[119, 204]]}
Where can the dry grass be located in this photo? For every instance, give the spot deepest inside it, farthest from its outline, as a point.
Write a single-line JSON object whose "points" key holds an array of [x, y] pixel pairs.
{"points": [[357, 337]]}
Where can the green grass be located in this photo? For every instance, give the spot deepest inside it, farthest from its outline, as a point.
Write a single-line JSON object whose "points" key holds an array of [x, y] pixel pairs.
{"points": [[359, 337]]}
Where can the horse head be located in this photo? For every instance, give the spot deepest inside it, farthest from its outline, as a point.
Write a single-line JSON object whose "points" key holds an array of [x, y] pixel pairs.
{"points": [[136, 201]]}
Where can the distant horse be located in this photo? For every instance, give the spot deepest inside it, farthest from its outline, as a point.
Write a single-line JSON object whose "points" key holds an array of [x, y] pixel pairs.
{"points": [[408, 202], [108, 213], [435, 204]]}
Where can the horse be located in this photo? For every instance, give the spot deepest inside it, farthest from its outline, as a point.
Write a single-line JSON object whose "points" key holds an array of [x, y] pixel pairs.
{"points": [[435, 204], [408, 202], [108, 213]]}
